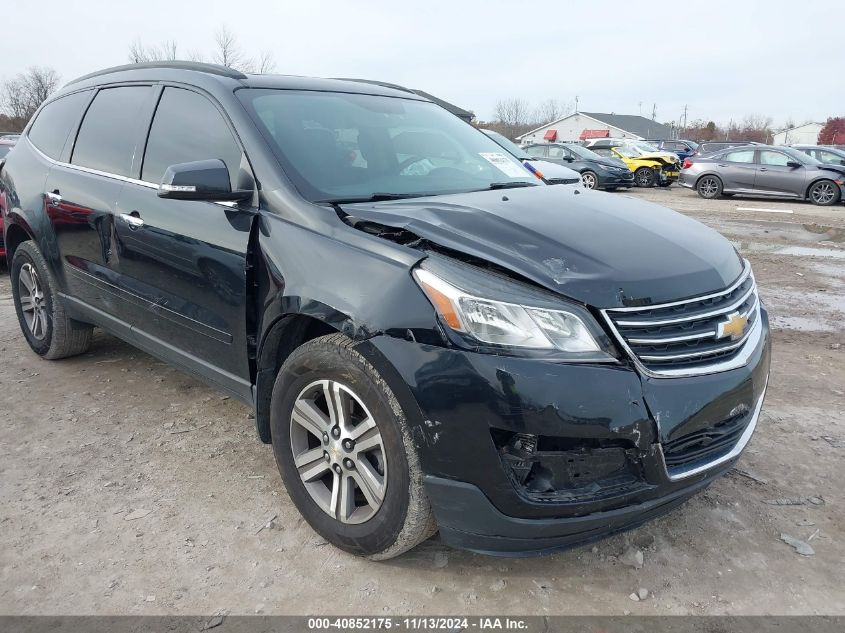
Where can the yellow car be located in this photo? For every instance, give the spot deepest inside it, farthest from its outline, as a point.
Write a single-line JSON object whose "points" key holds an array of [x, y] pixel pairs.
{"points": [[649, 168]]}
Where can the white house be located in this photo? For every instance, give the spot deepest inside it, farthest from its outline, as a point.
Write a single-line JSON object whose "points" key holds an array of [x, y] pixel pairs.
{"points": [[807, 134], [582, 125]]}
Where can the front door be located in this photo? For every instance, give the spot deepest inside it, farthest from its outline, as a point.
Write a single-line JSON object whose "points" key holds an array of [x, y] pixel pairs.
{"points": [[185, 261], [775, 176]]}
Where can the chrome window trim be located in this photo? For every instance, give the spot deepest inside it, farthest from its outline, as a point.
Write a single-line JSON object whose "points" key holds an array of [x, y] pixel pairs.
{"points": [[684, 472], [106, 174]]}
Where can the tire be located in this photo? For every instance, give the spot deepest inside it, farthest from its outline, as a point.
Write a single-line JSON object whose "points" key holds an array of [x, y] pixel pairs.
{"points": [[41, 313], [396, 515], [824, 193], [590, 179], [644, 177], [709, 187], [611, 188]]}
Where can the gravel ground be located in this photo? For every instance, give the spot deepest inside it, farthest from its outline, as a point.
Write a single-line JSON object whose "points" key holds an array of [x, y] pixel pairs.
{"points": [[127, 487]]}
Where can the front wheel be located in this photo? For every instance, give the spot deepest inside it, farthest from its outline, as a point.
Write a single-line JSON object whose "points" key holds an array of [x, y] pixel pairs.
{"points": [[709, 187], [343, 447], [41, 311], [644, 177], [824, 193], [590, 179]]}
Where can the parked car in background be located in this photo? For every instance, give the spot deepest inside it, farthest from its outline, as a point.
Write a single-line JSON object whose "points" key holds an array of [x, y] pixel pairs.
{"points": [[682, 148], [9, 137], [646, 150], [769, 170], [711, 147], [547, 171], [6, 145], [428, 340], [648, 170], [597, 172], [823, 154]]}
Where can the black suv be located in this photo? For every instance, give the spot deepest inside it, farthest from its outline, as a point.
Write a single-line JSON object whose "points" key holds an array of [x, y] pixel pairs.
{"points": [[430, 337]]}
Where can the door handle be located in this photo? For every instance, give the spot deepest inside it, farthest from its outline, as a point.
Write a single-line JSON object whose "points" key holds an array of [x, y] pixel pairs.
{"points": [[764, 169], [133, 221], [54, 196]]}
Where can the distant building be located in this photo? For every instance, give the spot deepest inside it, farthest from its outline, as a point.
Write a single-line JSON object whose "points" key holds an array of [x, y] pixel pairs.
{"points": [[583, 125], [807, 134], [466, 115]]}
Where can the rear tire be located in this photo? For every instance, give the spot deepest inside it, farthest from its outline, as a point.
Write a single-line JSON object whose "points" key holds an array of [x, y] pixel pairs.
{"points": [[367, 503], [824, 193], [644, 177], [41, 312], [709, 187]]}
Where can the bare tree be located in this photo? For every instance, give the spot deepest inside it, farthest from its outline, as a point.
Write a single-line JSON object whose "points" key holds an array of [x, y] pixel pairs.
{"points": [[514, 115], [266, 63], [548, 111], [21, 95], [228, 52], [138, 52]]}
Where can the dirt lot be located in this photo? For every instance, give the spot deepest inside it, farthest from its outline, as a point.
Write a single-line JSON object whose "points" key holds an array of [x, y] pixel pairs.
{"points": [[127, 487]]}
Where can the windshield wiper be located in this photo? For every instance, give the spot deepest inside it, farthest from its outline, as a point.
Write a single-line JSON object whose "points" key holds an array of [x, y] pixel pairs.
{"points": [[511, 185], [375, 197]]}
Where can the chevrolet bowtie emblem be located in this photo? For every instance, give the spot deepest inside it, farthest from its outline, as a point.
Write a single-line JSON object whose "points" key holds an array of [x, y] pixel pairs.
{"points": [[733, 326]]}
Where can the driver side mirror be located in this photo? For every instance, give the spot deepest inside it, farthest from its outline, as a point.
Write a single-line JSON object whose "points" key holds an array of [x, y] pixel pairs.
{"points": [[841, 162], [200, 180], [793, 163], [568, 158]]}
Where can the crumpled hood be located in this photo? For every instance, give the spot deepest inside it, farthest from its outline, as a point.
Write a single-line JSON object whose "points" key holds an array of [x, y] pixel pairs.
{"points": [[604, 250]]}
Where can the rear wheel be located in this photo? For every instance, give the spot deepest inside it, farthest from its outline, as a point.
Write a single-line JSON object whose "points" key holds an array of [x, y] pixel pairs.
{"points": [[41, 311], [644, 177], [341, 442], [709, 187], [824, 193], [590, 179]]}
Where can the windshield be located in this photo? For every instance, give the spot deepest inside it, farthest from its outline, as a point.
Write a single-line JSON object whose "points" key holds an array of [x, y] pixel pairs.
{"points": [[800, 156], [628, 151], [509, 145], [645, 147], [345, 147], [582, 152]]}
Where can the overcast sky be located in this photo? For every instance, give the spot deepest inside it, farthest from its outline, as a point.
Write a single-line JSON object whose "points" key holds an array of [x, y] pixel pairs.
{"points": [[724, 59]]}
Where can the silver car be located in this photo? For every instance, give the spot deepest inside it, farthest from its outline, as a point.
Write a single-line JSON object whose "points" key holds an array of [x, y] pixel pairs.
{"points": [[766, 170]]}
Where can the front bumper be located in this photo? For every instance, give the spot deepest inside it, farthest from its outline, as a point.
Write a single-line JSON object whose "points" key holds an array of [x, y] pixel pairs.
{"points": [[604, 424], [609, 179]]}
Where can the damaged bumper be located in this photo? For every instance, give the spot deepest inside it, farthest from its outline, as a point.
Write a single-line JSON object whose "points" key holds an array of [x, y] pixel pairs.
{"points": [[525, 456]]}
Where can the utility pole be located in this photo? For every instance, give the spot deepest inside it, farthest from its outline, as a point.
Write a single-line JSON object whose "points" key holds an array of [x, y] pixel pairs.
{"points": [[654, 112], [641, 108], [576, 104], [685, 118]]}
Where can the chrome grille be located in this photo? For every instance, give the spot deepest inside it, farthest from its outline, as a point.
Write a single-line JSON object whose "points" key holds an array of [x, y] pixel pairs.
{"points": [[687, 337]]}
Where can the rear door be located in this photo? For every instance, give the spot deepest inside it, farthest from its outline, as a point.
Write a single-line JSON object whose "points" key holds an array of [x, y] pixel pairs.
{"points": [[185, 261], [774, 176], [82, 191], [737, 169]]}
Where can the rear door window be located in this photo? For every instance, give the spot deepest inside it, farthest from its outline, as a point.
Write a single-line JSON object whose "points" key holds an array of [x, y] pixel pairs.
{"points": [[740, 156], [110, 130], [187, 127], [55, 121], [768, 157]]}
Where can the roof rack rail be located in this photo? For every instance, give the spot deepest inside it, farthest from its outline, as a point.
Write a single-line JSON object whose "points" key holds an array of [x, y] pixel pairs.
{"points": [[211, 69], [373, 82]]}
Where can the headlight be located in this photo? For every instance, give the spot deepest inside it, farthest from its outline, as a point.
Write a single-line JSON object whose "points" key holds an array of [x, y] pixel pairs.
{"points": [[497, 311]]}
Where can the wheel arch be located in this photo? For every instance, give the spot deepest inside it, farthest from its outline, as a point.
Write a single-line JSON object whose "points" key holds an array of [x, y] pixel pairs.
{"points": [[16, 234], [709, 173], [816, 181]]}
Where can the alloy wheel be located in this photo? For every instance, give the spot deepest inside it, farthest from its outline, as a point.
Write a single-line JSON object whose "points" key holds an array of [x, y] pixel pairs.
{"points": [[823, 193], [708, 187], [32, 302], [338, 451], [589, 180]]}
